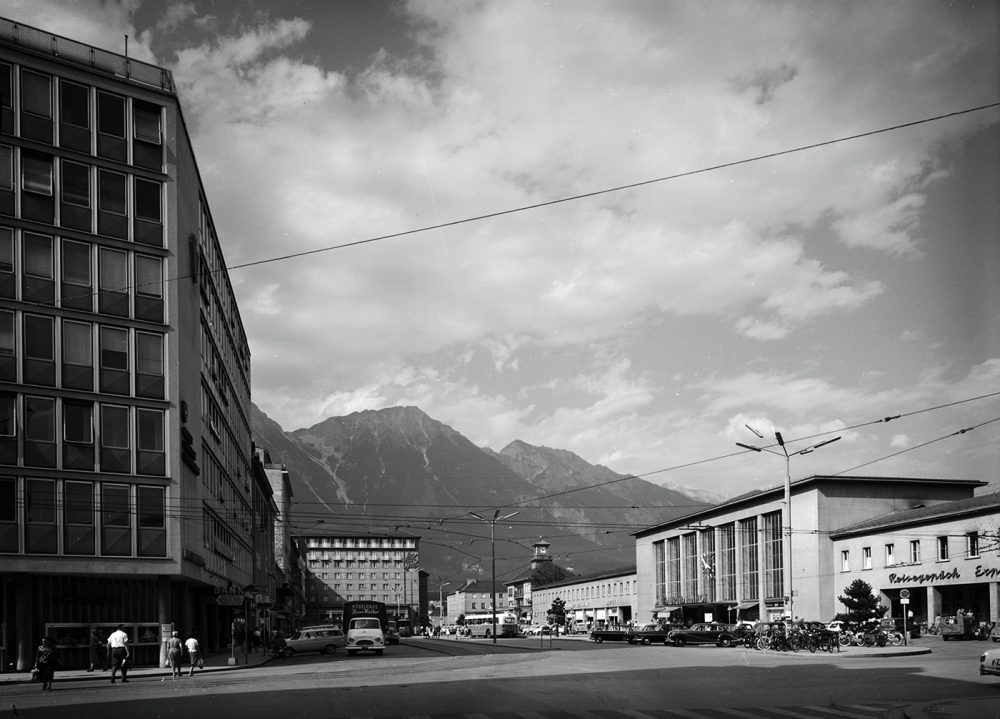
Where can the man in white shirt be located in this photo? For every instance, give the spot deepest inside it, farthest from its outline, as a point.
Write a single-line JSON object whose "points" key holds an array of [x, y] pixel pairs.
{"points": [[118, 649], [194, 652]]}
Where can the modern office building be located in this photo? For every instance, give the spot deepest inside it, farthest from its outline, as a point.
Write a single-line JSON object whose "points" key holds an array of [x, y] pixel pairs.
{"points": [[127, 493], [351, 567], [729, 560]]}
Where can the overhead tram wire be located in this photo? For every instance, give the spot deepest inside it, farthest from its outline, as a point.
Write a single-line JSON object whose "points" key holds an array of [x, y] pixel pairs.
{"points": [[617, 188]]}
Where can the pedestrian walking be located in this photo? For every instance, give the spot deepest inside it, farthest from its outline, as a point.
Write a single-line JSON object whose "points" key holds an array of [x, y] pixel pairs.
{"points": [[118, 649], [175, 650], [46, 662], [194, 653], [98, 652]]}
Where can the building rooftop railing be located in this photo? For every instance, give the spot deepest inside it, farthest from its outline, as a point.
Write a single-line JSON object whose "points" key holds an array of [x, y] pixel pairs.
{"points": [[25, 37]]}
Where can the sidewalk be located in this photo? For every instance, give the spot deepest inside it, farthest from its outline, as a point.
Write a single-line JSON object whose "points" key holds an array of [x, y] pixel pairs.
{"points": [[213, 663]]}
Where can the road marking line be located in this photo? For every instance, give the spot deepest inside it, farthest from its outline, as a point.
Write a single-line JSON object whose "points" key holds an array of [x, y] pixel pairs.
{"points": [[635, 714]]}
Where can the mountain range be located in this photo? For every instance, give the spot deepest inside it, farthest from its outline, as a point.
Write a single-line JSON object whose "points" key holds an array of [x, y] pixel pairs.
{"points": [[397, 470]]}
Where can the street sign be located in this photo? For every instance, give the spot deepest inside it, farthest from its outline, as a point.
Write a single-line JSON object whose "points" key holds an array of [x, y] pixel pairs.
{"points": [[229, 600], [904, 600], [904, 593]]}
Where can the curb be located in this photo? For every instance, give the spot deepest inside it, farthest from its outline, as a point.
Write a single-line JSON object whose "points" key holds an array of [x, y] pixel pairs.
{"points": [[138, 672]]}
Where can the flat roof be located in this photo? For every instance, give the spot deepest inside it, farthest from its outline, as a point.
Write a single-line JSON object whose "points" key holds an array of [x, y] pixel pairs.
{"points": [[985, 504], [758, 495]]}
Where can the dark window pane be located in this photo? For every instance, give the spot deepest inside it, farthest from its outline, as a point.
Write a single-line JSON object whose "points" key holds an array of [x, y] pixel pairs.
{"points": [[6, 167], [148, 276], [78, 502], [8, 411], [114, 348], [114, 427], [111, 114], [36, 174], [6, 333], [113, 270], [149, 430], [76, 263], [78, 341], [78, 422], [149, 353], [38, 255], [112, 188], [39, 419], [6, 249], [6, 86], [151, 509], [36, 93], [75, 104], [114, 506], [146, 119], [38, 338], [8, 499], [75, 184], [147, 200]]}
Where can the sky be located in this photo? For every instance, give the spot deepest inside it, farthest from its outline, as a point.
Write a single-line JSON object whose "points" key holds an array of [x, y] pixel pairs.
{"points": [[590, 225]]}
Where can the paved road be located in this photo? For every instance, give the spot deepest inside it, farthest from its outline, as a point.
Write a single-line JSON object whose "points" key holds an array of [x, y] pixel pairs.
{"points": [[471, 680]]}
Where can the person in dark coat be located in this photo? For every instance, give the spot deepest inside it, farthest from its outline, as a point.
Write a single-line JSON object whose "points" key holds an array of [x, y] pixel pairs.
{"points": [[46, 662]]}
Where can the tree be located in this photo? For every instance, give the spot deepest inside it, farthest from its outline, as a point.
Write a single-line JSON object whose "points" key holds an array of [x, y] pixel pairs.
{"points": [[861, 603], [546, 573], [557, 612], [461, 620]]}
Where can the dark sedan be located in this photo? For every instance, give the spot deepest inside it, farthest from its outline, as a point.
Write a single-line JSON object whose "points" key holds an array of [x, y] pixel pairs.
{"points": [[707, 633], [655, 633]]}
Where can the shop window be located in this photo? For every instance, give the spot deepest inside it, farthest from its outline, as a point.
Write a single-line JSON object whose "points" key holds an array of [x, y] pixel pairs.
{"points": [[8, 428], [8, 515], [116, 453], [112, 279], [942, 549], [74, 116], [38, 283], [77, 355], [972, 545], [37, 185], [41, 535], [77, 287], [116, 525], [78, 435], [111, 204], [114, 360], [150, 454], [6, 180], [39, 365], [74, 197], [914, 551], [39, 432], [78, 518], [149, 365], [148, 288], [36, 106], [866, 557], [8, 357], [152, 521], [111, 141]]}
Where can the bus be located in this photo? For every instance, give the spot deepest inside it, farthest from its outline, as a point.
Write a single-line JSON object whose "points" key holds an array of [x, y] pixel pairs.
{"points": [[481, 625]]}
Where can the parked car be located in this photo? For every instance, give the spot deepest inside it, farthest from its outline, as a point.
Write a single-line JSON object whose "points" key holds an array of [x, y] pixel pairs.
{"points": [[391, 633], [655, 633], [315, 639], [958, 627], [705, 633], [612, 635], [989, 662], [995, 632], [536, 629]]}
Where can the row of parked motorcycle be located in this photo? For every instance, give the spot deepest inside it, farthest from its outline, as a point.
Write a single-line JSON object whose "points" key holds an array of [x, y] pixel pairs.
{"points": [[817, 636]]}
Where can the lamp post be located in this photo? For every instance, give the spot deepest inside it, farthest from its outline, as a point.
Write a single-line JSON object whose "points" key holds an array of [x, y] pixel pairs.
{"points": [[493, 556], [787, 548], [441, 604]]}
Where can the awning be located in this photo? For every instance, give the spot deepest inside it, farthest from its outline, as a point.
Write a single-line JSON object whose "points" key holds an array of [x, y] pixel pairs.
{"points": [[745, 605], [667, 609]]}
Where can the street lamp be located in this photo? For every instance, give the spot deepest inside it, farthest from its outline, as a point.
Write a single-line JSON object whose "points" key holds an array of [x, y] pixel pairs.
{"points": [[787, 549], [493, 554]]}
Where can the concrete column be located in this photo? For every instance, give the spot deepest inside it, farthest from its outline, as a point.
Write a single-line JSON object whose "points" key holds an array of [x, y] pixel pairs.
{"points": [[933, 604], [25, 647], [761, 567], [993, 593], [165, 614]]}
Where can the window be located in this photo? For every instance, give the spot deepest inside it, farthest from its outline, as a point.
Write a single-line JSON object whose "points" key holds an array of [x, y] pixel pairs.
{"points": [[845, 560], [8, 515], [942, 548], [41, 536], [149, 365], [146, 122], [114, 348], [78, 355], [38, 256], [8, 414], [112, 278], [112, 192], [6, 248], [147, 200], [38, 338], [74, 106], [149, 441], [36, 94], [890, 554], [39, 419], [866, 557], [36, 173], [76, 268], [116, 534], [6, 167], [914, 551], [152, 521], [78, 517], [115, 447], [972, 544], [78, 422], [75, 184], [111, 115]]}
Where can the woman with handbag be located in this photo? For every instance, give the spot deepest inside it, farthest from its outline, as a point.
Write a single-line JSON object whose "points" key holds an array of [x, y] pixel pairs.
{"points": [[46, 662], [174, 651]]}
